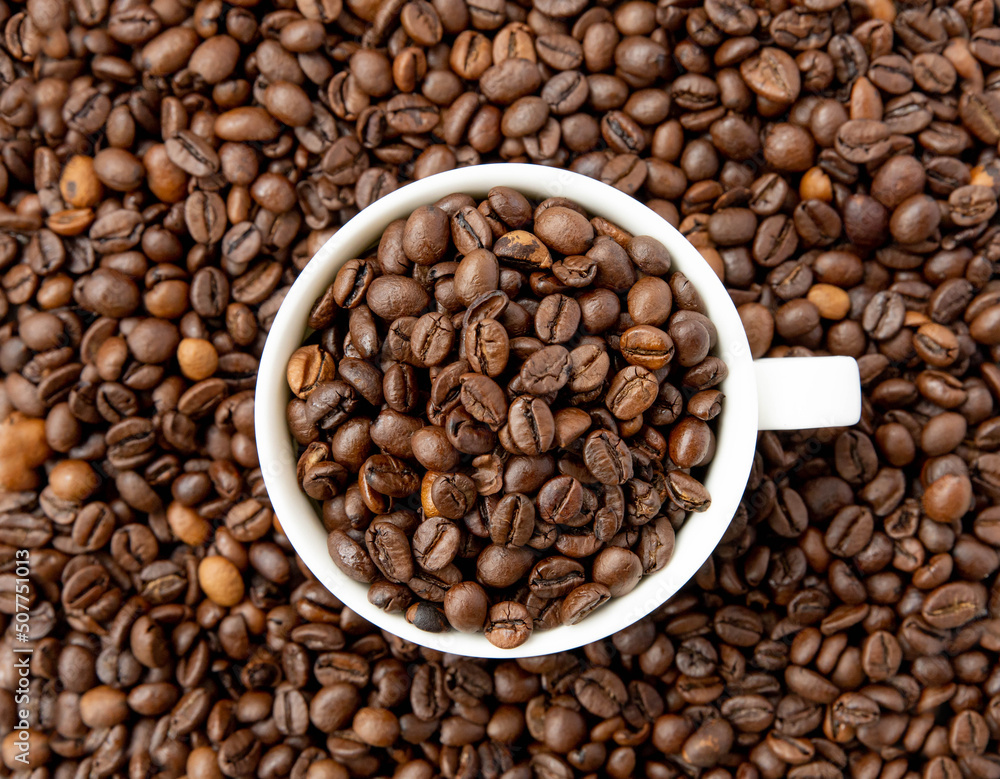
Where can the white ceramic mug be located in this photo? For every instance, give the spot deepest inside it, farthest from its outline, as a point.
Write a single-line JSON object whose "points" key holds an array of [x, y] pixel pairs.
{"points": [[767, 394]]}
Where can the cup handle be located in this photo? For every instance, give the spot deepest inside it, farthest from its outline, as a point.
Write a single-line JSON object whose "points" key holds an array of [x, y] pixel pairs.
{"points": [[802, 393]]}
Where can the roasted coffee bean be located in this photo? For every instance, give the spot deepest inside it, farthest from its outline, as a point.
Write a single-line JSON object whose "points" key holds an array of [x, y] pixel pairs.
{"points": [[389, 476], [512, 521], [351, 557], [607, 457], [520, 248], [428, 618], [391, 297], [560, 500], [389, 548], [953, 605], [479, 271], [532, 427], [557, 318], [589, 364], [465, 607], [546, 371], [649, 301], [487, 347], [617, 569], [656, 544], [508, 625], [554, 577], [484, 400], [690, 441], [431, 339], [310, 366], [435, 543], [687, 492], [771, 73], [582, 601], [192, 154], [647, 346], [452, 495], [632, 391]]}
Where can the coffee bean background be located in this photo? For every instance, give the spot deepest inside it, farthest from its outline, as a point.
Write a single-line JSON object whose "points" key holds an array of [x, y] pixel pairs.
{"points": [[166, 168]]}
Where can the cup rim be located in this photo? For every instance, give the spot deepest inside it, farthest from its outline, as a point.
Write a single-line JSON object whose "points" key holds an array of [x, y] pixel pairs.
{"points": [[736, 432]]}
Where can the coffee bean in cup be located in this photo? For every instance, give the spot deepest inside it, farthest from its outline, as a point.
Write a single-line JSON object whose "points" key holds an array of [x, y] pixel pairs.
{"points": [[505, 409]]}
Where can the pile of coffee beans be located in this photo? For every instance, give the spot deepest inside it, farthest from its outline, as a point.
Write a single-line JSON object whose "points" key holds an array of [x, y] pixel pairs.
{"points": [[571, 394], [166, 169]]}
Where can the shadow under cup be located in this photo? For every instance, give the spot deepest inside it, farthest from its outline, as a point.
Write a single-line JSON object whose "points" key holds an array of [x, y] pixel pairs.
{"points": [[736, 429]]}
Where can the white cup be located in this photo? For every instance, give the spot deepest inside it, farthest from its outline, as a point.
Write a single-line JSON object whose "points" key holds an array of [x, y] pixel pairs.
{"points": [[767, 394]]}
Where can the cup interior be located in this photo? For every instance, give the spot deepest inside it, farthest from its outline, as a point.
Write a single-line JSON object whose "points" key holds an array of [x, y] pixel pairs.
{"points": [[735, 433]]}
